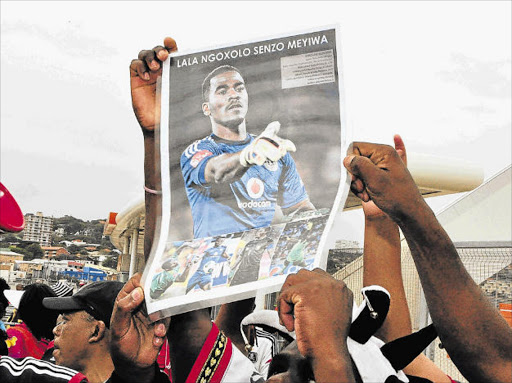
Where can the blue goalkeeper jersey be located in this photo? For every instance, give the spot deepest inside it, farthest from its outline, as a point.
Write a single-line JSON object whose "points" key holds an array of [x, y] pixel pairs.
{"points": [[244, 204]]}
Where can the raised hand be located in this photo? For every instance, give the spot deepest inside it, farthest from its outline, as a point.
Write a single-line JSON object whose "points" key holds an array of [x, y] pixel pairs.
{"points": [[136, 341], [380, 175], [370, 209], [319, 309], [144, 72]]}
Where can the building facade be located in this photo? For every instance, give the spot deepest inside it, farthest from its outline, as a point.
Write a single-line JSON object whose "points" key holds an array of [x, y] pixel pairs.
{"points": [[38, 228], [53, 251]]}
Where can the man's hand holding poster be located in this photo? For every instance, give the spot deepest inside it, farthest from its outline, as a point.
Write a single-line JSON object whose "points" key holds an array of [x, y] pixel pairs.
{"points": [[251, 138]]}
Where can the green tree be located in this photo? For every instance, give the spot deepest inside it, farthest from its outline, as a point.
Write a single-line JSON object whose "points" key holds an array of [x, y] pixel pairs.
{"points": [[73, 249], [18, 250], [9, 238], [106, 243], [70, 224], [70, 257], [56, 238], [110, 262], [33, 251]]}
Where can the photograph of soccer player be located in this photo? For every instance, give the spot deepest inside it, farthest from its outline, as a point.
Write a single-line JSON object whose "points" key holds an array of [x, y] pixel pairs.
{"points": [[297, 246], [236, 181], [174, 269], [214, 262], [258, 248]]}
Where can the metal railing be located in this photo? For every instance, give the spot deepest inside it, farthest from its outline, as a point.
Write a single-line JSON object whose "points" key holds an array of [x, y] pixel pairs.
{"points": [[489, 265]]}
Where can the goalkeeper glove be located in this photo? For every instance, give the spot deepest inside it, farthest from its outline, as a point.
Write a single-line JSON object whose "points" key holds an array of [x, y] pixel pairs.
{"points": [[267, 146]]}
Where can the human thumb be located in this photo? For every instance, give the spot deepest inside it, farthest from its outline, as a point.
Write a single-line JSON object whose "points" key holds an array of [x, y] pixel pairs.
{"points": [[361, 167], [123, 310]]}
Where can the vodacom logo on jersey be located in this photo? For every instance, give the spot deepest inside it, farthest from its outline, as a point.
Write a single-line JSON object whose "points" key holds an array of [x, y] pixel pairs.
{"points": [[255, 189]]}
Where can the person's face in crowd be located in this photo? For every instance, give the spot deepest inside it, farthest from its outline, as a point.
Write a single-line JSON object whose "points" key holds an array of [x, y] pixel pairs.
{"points": [[289, 366], [72, 333], [228, 100]]}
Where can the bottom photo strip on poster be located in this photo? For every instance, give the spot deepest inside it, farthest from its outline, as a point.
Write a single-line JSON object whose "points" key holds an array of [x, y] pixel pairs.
{"points": [[207, 271]]}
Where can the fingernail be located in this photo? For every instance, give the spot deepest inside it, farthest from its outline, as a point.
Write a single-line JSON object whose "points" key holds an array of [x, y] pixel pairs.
{"points": [[136, 294], [347, 160], [146, 76], [154, 65]]}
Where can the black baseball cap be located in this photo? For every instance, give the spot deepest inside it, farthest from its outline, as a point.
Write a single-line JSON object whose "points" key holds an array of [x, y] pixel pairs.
{"points": [[97, 299]]}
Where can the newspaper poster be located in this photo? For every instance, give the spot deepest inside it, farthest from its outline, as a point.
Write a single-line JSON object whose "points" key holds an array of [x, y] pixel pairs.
{"points": [[250, 148]]}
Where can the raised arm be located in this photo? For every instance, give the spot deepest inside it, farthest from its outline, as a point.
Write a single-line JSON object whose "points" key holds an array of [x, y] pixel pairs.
{"points": [[478, 340], [319, 309], [144, 72], [188, 331], [229, 318], [382, 266], [382, 262]]}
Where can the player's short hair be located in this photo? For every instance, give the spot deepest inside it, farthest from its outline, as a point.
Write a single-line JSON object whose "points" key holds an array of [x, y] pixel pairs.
{"points": [[212, 74]]}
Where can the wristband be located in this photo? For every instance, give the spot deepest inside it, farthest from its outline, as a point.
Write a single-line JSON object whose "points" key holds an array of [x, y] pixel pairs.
{"points": [[152, 191]]}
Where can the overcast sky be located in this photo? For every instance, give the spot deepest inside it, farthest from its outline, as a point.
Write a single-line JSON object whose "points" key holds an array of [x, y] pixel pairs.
{"points": [[438, 73]]}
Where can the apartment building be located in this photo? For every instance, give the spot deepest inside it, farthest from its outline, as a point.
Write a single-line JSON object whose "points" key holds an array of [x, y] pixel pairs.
{"points": [[38, 228]]}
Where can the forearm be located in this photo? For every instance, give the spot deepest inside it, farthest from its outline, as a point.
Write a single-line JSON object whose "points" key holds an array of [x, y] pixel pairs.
{"points": [[150, 181], [382, 266], [229, 318], [478, 340], [334, 366], [224, 168]]}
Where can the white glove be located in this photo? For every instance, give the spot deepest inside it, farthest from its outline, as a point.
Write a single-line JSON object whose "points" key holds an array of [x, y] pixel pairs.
{"points": [[267, 146]]}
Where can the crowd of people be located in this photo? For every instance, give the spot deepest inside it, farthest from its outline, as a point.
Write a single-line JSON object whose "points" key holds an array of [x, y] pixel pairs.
{"points": [[102, 332]]}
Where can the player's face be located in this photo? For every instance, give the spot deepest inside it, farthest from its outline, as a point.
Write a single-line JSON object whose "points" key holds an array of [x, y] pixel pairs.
{"points": [[228, 101]]}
